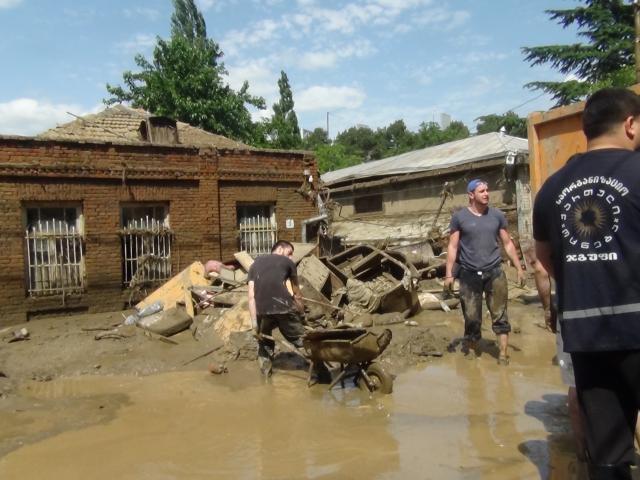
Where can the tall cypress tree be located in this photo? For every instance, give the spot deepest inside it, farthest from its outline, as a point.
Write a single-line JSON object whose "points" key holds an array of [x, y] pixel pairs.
{"points": [[187, 21], [283, 128], [606, 58]]}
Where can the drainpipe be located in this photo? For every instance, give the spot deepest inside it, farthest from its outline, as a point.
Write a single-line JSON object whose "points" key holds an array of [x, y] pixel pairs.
{"points": [[310, 221]]}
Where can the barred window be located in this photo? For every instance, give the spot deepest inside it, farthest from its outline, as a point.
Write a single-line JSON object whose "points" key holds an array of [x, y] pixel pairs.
{"points": [[54, 244], [257, 228], [146, 244]]}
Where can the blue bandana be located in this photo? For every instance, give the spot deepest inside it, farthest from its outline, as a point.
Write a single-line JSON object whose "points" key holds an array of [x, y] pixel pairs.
{"points": [[475, 183]]}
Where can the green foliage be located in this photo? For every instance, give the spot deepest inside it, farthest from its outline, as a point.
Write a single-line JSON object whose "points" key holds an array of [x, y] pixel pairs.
{"points": [[513, 124], [602, 60], [187, 21], [185, 81], [395, 139], [361, 142], [283, 130], [430, 133], [315, 139], [334, 157]]}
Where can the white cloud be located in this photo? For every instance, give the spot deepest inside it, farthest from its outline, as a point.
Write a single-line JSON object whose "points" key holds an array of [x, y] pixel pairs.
{"points": [[27, 116], [260, 33], [150, 14], [9, 3], [140, 42], [316, 60], [463, 64], [263, 81], [442, 19], [329, 58], [323, 24], [325, 98]]}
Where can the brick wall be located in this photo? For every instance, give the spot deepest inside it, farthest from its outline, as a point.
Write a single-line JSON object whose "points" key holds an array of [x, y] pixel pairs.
{"points": [[201, 187]]}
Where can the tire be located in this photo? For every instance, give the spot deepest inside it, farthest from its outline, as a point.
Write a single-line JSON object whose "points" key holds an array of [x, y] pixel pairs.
{"points": [[382, 381]]}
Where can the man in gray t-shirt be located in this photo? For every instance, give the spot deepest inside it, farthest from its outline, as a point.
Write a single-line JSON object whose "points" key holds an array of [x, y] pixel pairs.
{"points": [[473, 245]]}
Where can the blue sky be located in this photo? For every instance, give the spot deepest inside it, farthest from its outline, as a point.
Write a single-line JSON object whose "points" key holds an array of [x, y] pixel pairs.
{"points": [[365, 61]]}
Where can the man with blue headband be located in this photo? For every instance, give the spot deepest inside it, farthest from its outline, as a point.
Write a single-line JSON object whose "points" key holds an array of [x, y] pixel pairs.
{"points": [[475, 251]]}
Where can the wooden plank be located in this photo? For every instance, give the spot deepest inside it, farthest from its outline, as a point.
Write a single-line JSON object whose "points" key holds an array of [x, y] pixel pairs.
{"points": [[314, 271], [301, 250], [177, 290], [244, 259]]}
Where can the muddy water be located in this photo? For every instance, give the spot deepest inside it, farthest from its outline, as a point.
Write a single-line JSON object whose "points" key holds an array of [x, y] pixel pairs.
{"points": [[453, 418]]}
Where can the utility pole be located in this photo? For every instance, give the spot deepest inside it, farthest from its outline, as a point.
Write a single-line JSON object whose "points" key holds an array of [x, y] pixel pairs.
{"points": [[328, 112], [636, 15]]}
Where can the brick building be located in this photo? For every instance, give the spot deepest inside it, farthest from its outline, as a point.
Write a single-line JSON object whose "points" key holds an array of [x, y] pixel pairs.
{"points": [[93, 208]]}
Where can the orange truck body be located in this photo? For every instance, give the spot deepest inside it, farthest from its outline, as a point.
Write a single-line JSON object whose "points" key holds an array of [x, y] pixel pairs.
{"points": [[554, 136]]}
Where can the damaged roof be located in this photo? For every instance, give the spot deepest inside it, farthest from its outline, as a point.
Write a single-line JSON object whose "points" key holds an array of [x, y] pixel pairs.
{"points": [[121, 124], [468, 150]]}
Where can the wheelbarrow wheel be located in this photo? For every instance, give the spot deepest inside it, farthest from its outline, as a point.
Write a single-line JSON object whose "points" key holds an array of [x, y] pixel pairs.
{"points": [[381, 381]]}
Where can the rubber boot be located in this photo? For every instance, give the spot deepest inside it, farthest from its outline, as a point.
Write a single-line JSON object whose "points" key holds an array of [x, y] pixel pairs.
{"points": [[609, 472]]}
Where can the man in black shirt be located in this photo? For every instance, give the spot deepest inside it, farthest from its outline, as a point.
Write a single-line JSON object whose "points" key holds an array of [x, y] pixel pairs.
{"points": [[586, 223], [271, 304]]}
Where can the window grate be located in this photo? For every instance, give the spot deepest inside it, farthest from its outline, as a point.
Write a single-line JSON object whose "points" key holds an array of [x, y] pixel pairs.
{"points": [[55, 257], [146, 246], [257, 233]]}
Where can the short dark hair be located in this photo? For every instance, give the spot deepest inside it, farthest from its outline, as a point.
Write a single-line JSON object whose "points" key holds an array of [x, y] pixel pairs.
{"points": [[606, 108], [282, 244]]}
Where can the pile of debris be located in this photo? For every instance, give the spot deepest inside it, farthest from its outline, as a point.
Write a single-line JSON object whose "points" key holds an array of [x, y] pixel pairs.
{"points": [[362, 285]]}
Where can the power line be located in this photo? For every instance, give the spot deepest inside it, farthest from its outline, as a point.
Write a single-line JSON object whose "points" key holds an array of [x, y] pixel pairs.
{"points": [[528, 101]]}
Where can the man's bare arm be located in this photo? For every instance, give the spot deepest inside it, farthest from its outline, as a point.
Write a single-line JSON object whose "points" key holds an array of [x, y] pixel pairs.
{"points": [[452, 253], [543, 284], [543, 254], [297, 294], [510, 248], [252, 306]]}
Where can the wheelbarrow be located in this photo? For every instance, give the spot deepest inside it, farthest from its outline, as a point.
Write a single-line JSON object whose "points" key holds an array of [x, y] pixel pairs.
{"points": [[355, 349]]}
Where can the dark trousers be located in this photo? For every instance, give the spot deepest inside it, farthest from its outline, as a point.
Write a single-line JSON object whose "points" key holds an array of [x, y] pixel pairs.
{"points": [[493, 285], [289, 324], [608, 386]]}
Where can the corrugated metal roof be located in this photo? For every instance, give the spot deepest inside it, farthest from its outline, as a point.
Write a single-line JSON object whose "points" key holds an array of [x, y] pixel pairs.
{"points": [[467, 150]]}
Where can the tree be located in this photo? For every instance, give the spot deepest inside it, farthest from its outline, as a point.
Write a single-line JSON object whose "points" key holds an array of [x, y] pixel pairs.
{"points": [[283, 129], [315, 139], [185, 81], [334, 157], [395, 139], [513, 124], [430, 134], [360, 141], [605, 59], [456, 130], [187, 21]]}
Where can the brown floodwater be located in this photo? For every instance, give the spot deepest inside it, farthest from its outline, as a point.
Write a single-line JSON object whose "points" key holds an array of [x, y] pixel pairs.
{"points": [[451, 418]]}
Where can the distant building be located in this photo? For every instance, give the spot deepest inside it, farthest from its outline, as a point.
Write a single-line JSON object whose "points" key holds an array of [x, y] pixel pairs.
{"points": [[397, 199], [445, 121]]}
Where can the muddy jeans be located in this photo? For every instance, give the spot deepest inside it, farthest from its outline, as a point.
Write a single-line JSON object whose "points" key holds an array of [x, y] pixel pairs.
{"points": [[493, 284], [289, 324]]}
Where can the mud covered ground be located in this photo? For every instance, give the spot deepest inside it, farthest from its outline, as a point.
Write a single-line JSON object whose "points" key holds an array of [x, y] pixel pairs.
{"points": [[66, 347]]}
